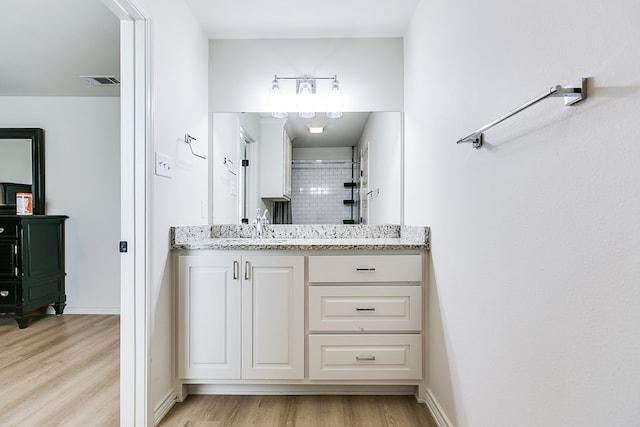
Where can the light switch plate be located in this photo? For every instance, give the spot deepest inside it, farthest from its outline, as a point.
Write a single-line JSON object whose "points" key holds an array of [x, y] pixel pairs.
{"points": [[164, 165]]}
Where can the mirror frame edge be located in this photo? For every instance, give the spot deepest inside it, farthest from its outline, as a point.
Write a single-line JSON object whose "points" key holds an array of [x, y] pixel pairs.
{"points": [[36, 135]]}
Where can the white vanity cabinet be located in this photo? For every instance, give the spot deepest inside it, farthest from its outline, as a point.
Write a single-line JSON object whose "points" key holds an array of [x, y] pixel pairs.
{"points": [[240, 317], [275, 160], [365, 317]]}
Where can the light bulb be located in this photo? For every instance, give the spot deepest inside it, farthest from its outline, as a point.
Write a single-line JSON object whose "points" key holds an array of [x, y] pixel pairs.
{"points": [[305, 100], [334, 103], [276, 100]]}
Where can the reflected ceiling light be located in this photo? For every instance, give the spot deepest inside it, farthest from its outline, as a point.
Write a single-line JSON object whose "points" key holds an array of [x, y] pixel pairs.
{"points": [[305, 96]]}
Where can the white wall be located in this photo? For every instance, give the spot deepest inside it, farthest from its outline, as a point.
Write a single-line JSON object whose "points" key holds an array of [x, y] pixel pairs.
{"points": [[179, 89], [225, 176], [321, 153], [82, 170], [383, 134], [534, 303], [370, 71]]}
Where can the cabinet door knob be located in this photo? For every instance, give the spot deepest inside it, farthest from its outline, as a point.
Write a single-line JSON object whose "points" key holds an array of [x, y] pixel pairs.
{"points": [[1, 230], [4, 294]]}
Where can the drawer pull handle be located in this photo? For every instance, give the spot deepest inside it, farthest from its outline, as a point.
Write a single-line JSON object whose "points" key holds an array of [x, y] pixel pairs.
{"points": [[366, 358], [365, 309], [365, 269], [4, 294]]}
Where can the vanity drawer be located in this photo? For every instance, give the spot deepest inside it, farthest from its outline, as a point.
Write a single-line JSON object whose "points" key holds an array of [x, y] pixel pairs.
{"points": [[365, 268], [365, 308], [365, 357], [8, 295]]}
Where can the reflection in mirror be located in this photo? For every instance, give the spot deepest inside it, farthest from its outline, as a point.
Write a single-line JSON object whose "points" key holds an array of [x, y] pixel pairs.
{"points": [[21, 167], [348, 174], [15, 169]]}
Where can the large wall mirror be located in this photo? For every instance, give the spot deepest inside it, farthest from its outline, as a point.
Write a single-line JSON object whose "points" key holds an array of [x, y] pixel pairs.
{"points": [[351, 173], [21, 168]]}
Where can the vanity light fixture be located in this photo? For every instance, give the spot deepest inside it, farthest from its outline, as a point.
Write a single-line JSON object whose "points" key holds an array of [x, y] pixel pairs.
{"points": [[305, 91], [276, 100], [334, 103], [305, 97]]}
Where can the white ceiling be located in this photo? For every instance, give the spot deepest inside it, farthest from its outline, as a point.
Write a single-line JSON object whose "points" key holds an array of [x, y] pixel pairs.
{"points": [[342, 132], [46, 44], [274, 19]]}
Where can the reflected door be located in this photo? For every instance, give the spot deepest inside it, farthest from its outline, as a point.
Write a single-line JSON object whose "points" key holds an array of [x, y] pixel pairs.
{"points": [[364, 185]]}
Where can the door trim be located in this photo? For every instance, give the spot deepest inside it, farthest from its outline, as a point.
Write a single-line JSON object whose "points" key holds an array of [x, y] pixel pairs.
{"points": [[135, 142]]}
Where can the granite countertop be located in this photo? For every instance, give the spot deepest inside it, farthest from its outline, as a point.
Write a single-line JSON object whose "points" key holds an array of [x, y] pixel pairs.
{"points": [[300, 237]]}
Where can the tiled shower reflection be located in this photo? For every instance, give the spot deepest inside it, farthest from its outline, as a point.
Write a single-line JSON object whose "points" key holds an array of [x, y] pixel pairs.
{"points": [[318, 191]]}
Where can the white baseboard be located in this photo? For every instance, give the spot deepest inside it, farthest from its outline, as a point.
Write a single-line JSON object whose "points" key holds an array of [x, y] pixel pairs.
{"points": [[163, 407], [87, 310], [436, 410], [306, 389]]}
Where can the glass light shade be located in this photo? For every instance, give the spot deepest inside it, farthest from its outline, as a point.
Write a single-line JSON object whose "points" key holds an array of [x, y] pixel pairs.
{"points": [[276, 101], [305, 100], [334, 102]]}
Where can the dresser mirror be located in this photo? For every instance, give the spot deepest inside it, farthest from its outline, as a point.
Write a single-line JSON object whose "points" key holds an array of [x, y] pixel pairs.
{"points": [[21, 168]]}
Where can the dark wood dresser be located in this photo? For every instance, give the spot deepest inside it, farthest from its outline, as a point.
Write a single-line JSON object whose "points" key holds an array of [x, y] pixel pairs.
{"points": [[32, 271]]}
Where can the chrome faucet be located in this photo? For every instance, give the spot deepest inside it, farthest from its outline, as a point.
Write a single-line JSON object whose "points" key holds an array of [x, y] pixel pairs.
{"points": [[259, 222]]}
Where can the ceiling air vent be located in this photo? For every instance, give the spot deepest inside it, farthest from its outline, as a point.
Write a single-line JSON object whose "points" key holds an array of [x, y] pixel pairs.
{"points": [[101, 80]]}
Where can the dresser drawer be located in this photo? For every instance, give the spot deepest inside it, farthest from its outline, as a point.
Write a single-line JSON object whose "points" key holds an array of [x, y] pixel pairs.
{"points": [[365, 268], [8, 231], [365, 357], [8, 295], [365, 308]]}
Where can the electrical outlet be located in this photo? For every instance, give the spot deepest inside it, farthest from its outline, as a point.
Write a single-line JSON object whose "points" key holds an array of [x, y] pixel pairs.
{"points": [[164, 165]]}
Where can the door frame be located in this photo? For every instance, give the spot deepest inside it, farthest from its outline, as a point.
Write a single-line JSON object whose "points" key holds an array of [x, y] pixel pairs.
{"points": [[135, 199]]}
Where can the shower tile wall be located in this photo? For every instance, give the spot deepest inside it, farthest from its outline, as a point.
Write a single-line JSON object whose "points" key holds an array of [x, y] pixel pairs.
{"points": [[318, 191]]}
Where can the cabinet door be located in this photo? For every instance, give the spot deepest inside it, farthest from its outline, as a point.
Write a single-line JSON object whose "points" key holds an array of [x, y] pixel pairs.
{"points": [[273, 317], [275, 152], [209, 317]]}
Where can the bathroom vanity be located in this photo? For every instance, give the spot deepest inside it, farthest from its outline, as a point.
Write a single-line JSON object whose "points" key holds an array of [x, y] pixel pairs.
{"points": [[304, 309]]}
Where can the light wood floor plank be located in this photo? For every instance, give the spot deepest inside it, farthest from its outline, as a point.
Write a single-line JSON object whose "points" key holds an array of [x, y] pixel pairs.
{"points": [[64, 371], [60, 371], [299, 411]]}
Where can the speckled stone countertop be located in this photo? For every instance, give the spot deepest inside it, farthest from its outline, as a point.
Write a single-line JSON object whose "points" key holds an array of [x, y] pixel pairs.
{"points": [[300, 237]]}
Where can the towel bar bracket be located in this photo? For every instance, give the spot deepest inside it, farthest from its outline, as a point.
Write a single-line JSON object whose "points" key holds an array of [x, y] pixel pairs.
{"points": [[573, 93], [475, 138]]}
